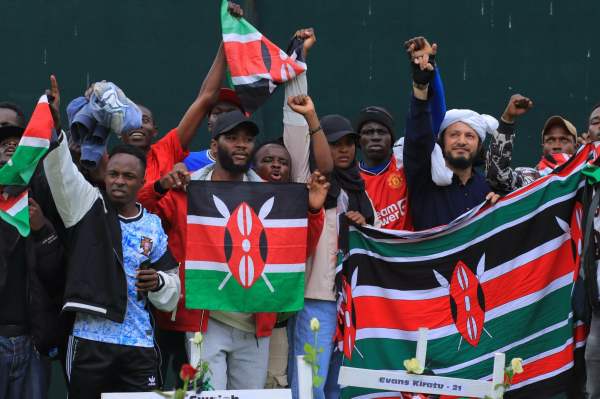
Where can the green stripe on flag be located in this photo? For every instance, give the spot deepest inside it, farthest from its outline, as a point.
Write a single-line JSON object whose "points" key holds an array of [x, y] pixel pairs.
{"points": [[20, 220], [233, 25], [500, 217], [206, 295]]}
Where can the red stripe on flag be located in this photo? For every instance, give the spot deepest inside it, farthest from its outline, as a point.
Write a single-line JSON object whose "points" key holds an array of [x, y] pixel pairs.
{"points": [[205, 243], [281, 251], [10, 201], [377, 312], [41, 123], [245, 59], [545, 365], [531, 277], [580, 333]]}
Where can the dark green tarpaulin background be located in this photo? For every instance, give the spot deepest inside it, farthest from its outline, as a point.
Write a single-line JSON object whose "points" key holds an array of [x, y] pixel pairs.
{"points": [[159, 52]]}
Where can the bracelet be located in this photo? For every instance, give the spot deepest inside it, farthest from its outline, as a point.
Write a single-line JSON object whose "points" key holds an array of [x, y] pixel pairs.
{"points": [[420, 86], [316, 130], [510, 123]]}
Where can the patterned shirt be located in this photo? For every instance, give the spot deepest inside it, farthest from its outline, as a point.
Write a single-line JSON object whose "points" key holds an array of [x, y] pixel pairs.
{"points": [[500, 176], [143, 239]]}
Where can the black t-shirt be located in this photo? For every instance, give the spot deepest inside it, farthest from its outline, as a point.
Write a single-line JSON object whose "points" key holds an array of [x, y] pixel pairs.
{"points": [[13, 296]]}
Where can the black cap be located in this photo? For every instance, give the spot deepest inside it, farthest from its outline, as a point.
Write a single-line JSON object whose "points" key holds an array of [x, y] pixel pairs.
{"points": [[376, 114], [11, 131], [335, 127], [228, 121]]}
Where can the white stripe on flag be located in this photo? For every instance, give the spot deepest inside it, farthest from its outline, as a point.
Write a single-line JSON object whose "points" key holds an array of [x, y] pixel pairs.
{"points": [[223, 267], [43, 99], [267, 223], [417, 295], [246, 80], [34, 142], [19, 205], [235, 37]]}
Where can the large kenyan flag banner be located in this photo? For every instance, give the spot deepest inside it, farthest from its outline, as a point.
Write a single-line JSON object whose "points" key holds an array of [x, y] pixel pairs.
{"points": [[18, 171], [500, 279], [246, 246], [256, 65]]}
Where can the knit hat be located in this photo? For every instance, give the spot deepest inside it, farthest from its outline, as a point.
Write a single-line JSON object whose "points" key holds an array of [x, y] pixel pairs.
{"points": [[375, 114]]}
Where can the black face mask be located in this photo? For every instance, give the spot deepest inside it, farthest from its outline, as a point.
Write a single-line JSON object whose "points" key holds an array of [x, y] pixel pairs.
{"points": [[227, 163]]}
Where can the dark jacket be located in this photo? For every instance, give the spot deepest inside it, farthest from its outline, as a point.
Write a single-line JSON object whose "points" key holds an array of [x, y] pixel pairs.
{"points": [[45, 259], [96, 283], [434, 205]]}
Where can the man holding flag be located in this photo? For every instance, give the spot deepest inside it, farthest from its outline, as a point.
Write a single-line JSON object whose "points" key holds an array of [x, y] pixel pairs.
{"points": [[32, 266]]}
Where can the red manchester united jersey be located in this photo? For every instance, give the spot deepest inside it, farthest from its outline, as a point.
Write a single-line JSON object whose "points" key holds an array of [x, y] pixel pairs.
{"points": [[387, 189]]}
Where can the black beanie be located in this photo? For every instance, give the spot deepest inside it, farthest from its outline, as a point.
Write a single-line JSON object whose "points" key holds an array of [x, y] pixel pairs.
{"points": [[375, 114]]}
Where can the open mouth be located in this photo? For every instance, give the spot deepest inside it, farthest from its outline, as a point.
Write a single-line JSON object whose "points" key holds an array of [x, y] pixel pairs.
{"points": [[136, 135], [118, 193], [276, 175]]}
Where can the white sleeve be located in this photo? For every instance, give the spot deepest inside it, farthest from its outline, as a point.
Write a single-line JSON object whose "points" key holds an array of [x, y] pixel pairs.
{"points": [[73, 195], [166, 299], [295, 131]]}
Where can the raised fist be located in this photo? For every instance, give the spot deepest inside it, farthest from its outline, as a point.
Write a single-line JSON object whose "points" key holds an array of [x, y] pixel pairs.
{"points": [[301, 104], [517, 106], [309, 39]]}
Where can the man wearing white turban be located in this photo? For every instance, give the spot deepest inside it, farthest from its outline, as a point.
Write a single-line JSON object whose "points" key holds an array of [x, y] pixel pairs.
{"points": [[442, 184]]}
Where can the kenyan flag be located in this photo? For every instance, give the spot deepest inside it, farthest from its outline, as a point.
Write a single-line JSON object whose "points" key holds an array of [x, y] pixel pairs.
{"points": [[19, 169], [256, 65], [500, 280], [246, 246]]}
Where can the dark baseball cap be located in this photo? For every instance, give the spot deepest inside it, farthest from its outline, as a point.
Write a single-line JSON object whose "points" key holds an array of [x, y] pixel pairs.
{"points": [[11, 131], [230, 120], [335, 127]]}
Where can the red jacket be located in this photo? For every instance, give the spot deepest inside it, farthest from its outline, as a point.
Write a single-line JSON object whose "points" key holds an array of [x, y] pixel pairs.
{"points": [[172, 210]]}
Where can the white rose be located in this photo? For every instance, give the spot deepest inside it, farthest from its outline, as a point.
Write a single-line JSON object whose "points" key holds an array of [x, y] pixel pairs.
{"points": [[198, 338], [413, 366], [314, 324], [515, 365]]}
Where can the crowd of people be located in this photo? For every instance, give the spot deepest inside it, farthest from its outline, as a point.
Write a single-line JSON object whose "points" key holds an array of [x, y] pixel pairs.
{"points": [[99, 283]]}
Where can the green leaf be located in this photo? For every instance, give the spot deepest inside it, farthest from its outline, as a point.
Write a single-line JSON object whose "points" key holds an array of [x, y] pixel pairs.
{"points": [[308, 349], [510, 374], [308, 359], [321, 350], [317, 380], [499, 386], [164, 395]]}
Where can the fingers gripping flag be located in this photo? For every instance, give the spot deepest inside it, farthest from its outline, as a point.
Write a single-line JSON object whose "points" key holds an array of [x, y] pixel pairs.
{"points": [[246, 246], [256, 65], [19, 169]]}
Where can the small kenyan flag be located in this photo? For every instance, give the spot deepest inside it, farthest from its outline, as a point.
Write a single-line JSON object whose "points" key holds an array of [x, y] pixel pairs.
{"points": [[20, 168], [256, 65]]}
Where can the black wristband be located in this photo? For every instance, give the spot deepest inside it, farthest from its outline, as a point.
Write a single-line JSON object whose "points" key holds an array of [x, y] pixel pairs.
{"points": [[158, 188], [424, 76]]}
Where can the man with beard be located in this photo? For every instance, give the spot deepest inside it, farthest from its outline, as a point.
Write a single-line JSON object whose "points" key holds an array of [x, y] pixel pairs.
{"points": [[236, 343], [559, 142], [452, 187]]}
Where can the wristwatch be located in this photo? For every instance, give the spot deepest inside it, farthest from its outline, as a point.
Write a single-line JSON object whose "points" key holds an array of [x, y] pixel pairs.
{"points": [[420, 86]]}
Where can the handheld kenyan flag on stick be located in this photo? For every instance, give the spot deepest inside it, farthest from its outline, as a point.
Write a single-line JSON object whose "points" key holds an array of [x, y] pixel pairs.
{"points": [[19, 169], [246, 246], [500, 280], [256, 66]]}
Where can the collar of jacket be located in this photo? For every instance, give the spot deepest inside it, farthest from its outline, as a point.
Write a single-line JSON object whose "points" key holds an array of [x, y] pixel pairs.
{"points": [[201, 174]]}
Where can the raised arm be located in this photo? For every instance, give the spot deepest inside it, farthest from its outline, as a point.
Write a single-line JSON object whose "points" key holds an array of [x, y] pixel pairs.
{"points": [[295, 127], [208, 93], [500, 176], [419, 138], [438, 105]]}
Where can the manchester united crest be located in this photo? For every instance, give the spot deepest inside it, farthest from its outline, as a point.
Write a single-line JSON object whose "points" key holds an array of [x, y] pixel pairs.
{"points": [[395, 180]]}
